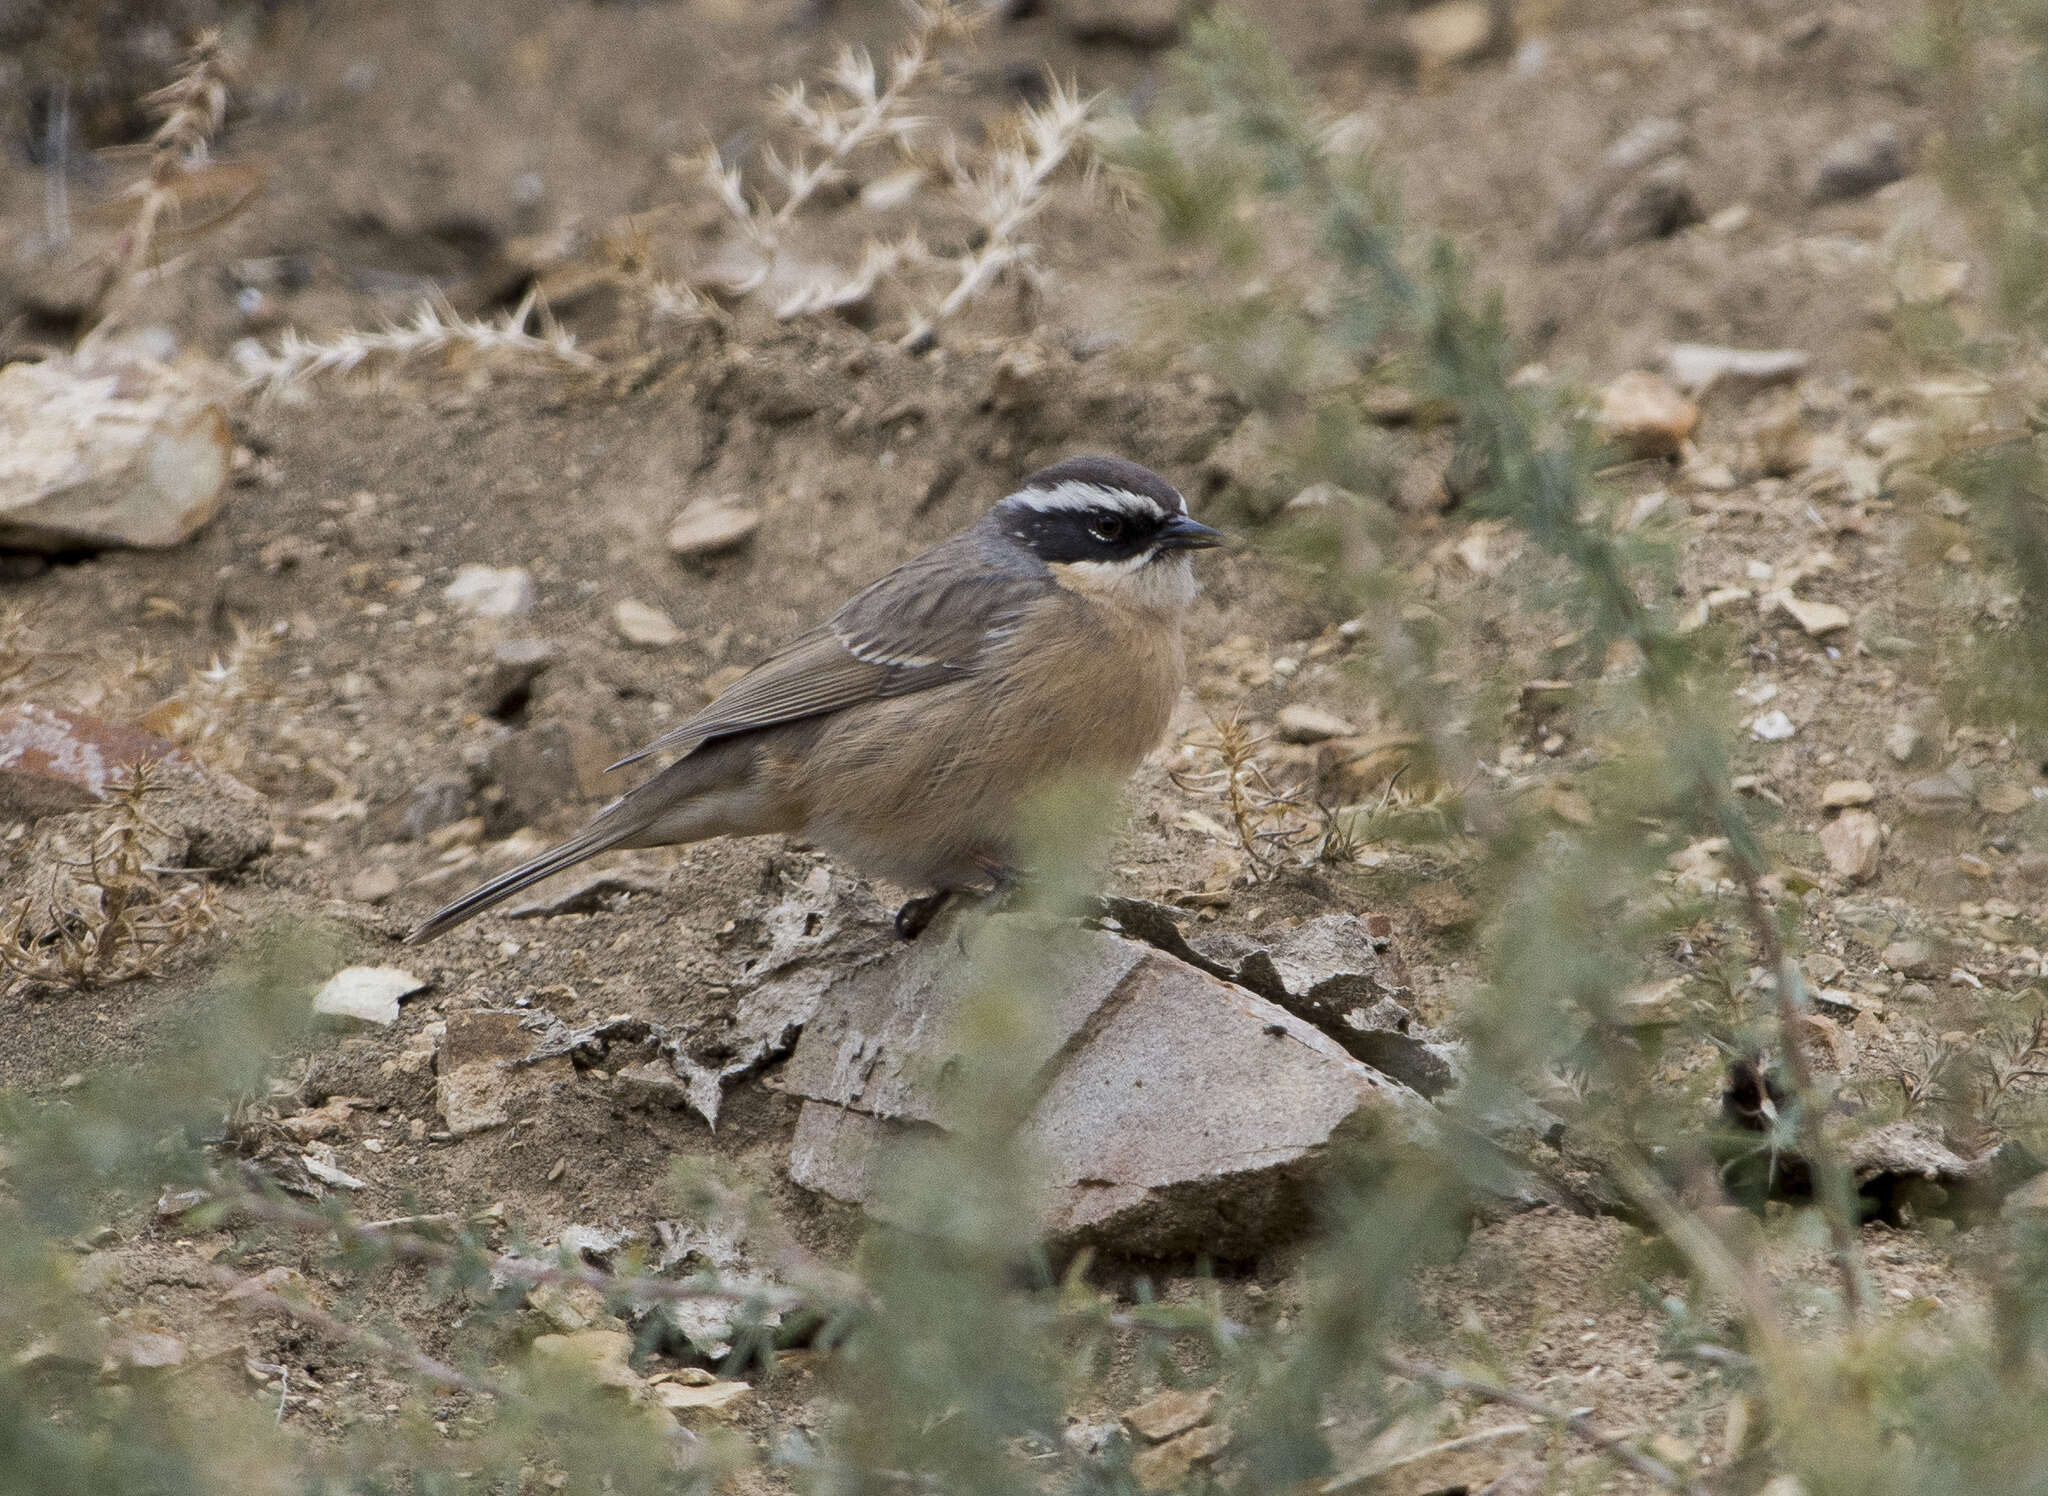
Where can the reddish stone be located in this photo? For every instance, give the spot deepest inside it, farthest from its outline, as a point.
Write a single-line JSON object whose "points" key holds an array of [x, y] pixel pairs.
{"points": [[55, 760]]}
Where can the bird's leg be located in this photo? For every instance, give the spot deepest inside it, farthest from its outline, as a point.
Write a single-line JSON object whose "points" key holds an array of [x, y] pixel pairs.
{"points": [[1003, 884]]}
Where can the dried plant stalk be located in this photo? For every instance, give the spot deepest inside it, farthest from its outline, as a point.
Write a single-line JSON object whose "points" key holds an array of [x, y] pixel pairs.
{"points": [[191, 110], [116, 914], [435, 328]]}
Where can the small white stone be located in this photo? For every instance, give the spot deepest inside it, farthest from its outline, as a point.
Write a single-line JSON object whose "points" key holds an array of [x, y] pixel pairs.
{"points": [[366, 994], [1302, 723], [645, 627], [1772, 727], [491, 591]]}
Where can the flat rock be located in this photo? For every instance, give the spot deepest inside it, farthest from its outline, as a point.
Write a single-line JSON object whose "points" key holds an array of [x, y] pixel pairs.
{"points": [[599, 1354], [1301, 723], [715, 1398], [1905, 1150], [1644, 416], [1166, 1467], [1816, 618], [644, 626], [482, 1081], [1174, 1411], [373, 885], [1174, 1111], [588, 894], [491, 591], [1935, 795], [1904, 742], [1842, 794], [1699, 367], [96, 455], [53, 761], [1913, 957], [1773, 727], [711, 530], [366, 994], [1852, 841]]}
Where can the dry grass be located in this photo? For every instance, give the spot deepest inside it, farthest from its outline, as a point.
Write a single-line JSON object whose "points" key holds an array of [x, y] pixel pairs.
{"points": [[1275, 827], [111, 913], [184, 194]]}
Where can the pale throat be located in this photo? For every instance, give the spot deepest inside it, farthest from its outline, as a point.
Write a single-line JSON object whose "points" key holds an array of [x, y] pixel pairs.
{"points": [[1149, 581]]}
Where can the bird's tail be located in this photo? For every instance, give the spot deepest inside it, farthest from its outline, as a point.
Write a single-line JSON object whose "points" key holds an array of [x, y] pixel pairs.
{"points": [[607, 832]]}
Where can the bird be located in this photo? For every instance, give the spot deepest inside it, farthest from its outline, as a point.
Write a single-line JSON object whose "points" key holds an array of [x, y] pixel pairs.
{"points": [[909, 732]]}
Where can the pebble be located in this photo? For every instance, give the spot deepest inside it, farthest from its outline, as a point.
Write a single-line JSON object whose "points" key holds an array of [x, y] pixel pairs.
{"points": [[1134, 23], [1844, 793], [717, 1398], [1913, 957], [366, 994], [1815, 618], [645, 627], [1699, 367], [1859, 164], [1645, 416], [711, 529], [1772, 727], [1903, 741], [1450, 32], [373, 885], [1302, 723], [491, 591], [1936, 795], [2005, 799], [1852, 841]]}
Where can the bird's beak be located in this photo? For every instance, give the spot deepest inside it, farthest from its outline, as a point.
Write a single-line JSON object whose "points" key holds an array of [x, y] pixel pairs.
{"points": [[1183, 534]]}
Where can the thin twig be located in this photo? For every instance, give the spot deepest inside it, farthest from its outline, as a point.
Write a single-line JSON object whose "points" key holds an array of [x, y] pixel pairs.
{"points": [[1446, 1380]]}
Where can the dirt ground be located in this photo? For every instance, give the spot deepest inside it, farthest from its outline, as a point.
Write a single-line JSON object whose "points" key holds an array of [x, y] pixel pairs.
{"points": [[419, 146]]}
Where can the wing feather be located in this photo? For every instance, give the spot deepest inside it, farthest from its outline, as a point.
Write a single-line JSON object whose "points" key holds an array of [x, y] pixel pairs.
{"points": [[932, 620]]}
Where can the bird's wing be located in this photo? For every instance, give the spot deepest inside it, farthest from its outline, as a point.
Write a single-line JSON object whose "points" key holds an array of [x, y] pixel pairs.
{"points": [[930, 621]]}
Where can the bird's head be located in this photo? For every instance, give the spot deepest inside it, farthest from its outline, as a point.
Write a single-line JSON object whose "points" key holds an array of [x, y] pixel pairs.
{"points": [[1107, 527]]}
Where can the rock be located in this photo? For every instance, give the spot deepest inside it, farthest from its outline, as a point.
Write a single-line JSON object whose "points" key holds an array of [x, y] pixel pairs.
{"points": [[716, 1398], [491, 591], [373, 885], [1817, 619], [589, 893], [1644, 416], [1906, 1150], [1697, 368], [570, 1307], [120, 453], [1174, 1411], [324, 1121], [535, 770], [1133, 23], [1911, 957], [481, 1082], [652, 1084], [1772, 727], [1454, 31], [1302, 723], [711, 530], [1904, 742], [366, 994], [1937, 795], [144, 1351], [435, 804], [515, 665], [645, 627], [1841, 794], [53, 760], [1167, 1467], [1851, 842], [2030, 1198], [323, 1168], [600, 1355], [1653, 206], [1174, 1111], [1859, 164], [2004, 799]]}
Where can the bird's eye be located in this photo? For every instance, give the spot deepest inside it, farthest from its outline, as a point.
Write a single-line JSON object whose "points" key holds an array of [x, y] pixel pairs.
{"points": [[1109, 527]]}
